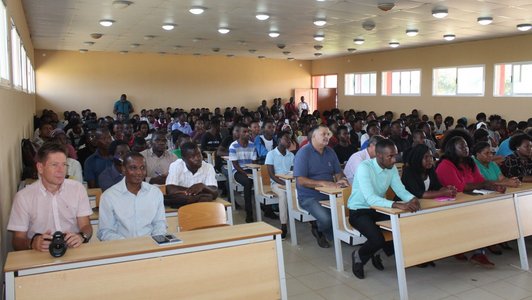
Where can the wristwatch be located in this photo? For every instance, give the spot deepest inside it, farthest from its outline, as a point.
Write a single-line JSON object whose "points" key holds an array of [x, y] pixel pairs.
{"points": [[85, 237]]}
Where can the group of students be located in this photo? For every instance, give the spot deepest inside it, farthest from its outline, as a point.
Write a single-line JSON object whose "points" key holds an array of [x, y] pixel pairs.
{"points": [[129, 156]]}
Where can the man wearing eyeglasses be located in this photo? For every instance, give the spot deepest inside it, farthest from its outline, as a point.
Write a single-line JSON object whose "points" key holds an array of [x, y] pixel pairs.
{"points": [[51, 204]]}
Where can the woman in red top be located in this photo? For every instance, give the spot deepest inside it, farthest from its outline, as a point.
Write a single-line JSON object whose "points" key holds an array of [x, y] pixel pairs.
{"points": [[457, 168]]}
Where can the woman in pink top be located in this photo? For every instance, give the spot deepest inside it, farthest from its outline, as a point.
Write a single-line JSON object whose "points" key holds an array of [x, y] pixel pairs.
{"points": [[457, 168]]}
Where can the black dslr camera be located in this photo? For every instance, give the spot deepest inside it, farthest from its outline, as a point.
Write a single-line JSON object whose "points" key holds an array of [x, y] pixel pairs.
{"points": [[58, 246]]}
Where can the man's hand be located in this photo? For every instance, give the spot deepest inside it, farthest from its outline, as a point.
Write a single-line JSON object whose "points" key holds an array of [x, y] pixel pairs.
{"points": [[448, 191], [411, 206], [42, 242], [73, 240], [195, 189], [342, 183]]}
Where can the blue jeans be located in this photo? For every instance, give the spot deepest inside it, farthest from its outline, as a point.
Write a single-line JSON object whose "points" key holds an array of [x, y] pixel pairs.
{"points": [[322, 215]]}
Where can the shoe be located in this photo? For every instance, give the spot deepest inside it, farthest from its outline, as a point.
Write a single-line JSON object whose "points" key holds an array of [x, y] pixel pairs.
{"points": [[237, 206], [284, 230], [481, 260], [271, 215], [506, 246], [249, 218], [377, 262], [315, 231], [461, 257], [494, 249], [358, 267], [322, 241]]}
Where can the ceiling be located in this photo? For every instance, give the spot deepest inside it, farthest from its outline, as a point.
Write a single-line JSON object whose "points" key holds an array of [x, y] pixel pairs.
{"points": [[67, 25]]}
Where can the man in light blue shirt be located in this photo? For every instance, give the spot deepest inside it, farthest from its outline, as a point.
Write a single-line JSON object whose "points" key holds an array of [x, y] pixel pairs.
{"points": [[371, 181], [182, 125], [132, 207], [280, 161]]}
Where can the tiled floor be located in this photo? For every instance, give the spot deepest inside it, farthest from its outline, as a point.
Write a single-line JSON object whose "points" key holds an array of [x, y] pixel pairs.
{"points": [[311, 274]]}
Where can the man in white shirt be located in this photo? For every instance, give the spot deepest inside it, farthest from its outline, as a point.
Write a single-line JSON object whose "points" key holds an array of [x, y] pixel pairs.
{"points": [[301, 106], [360, 156], [158, 159], [132, 207], [190, 179]]}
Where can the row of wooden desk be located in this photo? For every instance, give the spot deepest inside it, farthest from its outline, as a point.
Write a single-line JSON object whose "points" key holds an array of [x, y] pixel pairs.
{"points": [[230, 262], [439, 229]]}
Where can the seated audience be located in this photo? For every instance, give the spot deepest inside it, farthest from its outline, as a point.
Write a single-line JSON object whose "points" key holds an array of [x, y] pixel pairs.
{"points": [[371, 181], [158, 159], [114, 173], [483, 157], [265, 142], [354, 161], [190, 179], [316, 165], [344, 149], [280, 161], [34, 219], [132, 207], [519, 163], [99, 160]]}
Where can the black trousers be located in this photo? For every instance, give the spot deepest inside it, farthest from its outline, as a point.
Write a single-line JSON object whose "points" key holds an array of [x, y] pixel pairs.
{"points": [[364, 220], [248, 186]]}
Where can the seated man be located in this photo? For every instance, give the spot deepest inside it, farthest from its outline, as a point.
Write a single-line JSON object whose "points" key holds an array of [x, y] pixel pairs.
{"points": [[354, 161], [316, 165], [265, 142], [50, 204], [371, 181], [280, 161], [190, 179], [344, 149], [132, 207], [113, 174], [158, 159], [99, 160]]}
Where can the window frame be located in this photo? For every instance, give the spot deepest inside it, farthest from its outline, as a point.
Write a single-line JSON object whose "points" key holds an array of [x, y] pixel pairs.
{"points": [[354, 74], [457, 68], [513, 94], [400, 71], [4, 47]]}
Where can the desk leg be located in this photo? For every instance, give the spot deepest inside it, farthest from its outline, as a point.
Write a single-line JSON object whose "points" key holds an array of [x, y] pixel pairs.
{"points": [[523, 256], [256, 194], [291, 220], [10, 285], [230, 178], [280, 265], [229, 211], [336, 238], [399, 260]]}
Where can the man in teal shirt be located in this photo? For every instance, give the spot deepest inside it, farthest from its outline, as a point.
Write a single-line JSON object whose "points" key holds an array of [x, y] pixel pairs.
{"points": [[371, 181]]}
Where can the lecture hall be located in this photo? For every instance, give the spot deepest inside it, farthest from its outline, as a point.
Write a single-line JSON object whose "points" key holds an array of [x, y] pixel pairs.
{"points": [[236, 149]]}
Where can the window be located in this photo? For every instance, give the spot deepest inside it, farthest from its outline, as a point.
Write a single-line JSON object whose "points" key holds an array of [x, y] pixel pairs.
{"points": [[361, 84], [324, 81], [458, 81], [4, 58], [16, 60], [513, 79], [31, 77], [404, 82]]}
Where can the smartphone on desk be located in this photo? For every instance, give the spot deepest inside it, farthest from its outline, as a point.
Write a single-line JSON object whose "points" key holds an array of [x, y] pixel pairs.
{"points": [[166, 239]]}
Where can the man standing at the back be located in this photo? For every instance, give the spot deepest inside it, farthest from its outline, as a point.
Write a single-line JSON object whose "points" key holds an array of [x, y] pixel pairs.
{"points": [[123, 106]]}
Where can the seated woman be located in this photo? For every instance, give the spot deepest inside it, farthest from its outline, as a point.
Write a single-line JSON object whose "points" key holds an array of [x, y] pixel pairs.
{"points": [[483, 157], [457, 168], [519, 163]]}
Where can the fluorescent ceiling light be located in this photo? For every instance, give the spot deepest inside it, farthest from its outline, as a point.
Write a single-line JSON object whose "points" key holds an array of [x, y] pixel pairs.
{"points": [[224, 30], [524, 27], [412, 32], [121, 4], [196, 10], [123, 52], [148, 37], [134, 45], [273, 34], [319, 37], [394, 44], [449, 37], [88, 43], [83, 50], [106, 22], [359, 41], [484, 20], [320, 22], [440, 13], [262, 16], [168, 26], [318, 54]]}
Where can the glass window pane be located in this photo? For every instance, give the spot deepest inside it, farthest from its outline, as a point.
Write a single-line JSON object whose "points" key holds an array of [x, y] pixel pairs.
{"points": [[4, 59], [444, 81], [396, 82], [415, 82], [522, 79], [373, 83], [349, 84], [331, 81], [471, 80], [405, 82]]}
